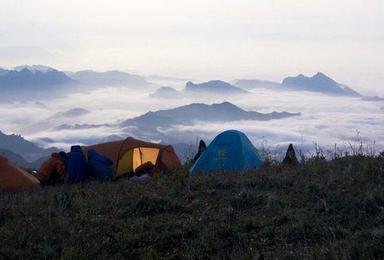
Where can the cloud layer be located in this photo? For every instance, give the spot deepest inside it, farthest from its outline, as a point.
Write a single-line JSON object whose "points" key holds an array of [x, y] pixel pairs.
{"points": [[324, 120]]}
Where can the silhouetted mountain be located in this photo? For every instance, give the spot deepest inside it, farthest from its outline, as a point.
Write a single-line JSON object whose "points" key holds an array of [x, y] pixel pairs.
{"points": [[165, 125], [109, 78], [318, 83], [26, 83], [213, 87], [153, 125], [186, 115], [249, 84], [27, 149], [20, 161], [166, 92]]}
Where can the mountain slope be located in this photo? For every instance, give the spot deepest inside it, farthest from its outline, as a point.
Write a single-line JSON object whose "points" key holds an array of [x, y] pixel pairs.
{"points": [[27, 149], [27, 84], [223, 112], [160, 125], [318, 83], [33, 79], [109, 78], [213, 87], [166, 92], [20, 161], [34, 68], [154, 125]]}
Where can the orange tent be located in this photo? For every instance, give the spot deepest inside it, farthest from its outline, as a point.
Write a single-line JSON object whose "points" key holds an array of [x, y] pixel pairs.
{"points": [[127, 155], [13, 178]]}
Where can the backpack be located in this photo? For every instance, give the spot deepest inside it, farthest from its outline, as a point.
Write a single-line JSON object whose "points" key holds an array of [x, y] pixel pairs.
{"points": [[76, 165], [100, 166]]}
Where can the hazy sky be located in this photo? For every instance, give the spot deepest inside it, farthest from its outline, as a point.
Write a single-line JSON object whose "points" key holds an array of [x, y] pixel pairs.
{"points": [[200, 39]]}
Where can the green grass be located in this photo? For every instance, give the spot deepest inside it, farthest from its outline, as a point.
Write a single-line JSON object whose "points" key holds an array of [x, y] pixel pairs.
{"points": [[320, 209]]}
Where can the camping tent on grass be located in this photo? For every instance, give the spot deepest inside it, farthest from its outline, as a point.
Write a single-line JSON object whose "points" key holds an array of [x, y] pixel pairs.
{"points": [[127, 155], [13, 178], [230, 151]]}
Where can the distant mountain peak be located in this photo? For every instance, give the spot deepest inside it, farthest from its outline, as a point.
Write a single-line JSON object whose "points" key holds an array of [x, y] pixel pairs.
{"points": [[318, 83], [166, 92], [17, 144], [214, 86], [153, 123], [322, 76], [28, 81], [34, 68], [109, 78]]}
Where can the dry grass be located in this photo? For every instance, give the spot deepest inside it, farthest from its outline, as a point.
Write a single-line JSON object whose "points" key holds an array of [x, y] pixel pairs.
{"points": [[320, 209]]}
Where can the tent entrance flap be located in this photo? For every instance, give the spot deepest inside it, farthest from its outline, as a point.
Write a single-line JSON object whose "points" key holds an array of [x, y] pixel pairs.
{"points": [[135, 157]]}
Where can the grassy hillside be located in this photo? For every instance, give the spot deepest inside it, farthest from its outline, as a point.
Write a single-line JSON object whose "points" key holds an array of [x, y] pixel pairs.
{"points": [[321, 209]]}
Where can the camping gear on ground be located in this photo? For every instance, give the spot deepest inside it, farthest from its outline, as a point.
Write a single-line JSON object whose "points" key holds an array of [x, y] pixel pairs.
{"points": [[145, 168], [13, 178], [142, 178], [290, 156], [76, 165], [202, 148], [99, 166], [127, 155], [52, 170], [230, 151]]}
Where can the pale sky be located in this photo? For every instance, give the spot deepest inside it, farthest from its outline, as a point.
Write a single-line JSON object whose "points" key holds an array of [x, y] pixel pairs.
{"points": [[200, 39]]}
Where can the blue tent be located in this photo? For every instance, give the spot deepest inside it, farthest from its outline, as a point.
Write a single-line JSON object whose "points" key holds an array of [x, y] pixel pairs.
{"points": [[230, 151]]}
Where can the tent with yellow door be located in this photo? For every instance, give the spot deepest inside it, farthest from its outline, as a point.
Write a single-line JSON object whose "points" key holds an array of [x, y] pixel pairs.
{"points": [[127, 155]]}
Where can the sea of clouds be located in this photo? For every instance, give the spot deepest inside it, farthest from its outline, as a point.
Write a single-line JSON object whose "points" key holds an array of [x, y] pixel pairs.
{"points": [[325, 120]]}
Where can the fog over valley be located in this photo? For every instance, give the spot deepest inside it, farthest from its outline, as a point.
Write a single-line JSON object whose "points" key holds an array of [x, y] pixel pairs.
{"points": [[305, 111]]}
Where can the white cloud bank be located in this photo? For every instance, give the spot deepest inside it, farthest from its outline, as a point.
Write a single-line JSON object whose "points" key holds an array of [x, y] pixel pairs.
{"points": [[324, 120]]}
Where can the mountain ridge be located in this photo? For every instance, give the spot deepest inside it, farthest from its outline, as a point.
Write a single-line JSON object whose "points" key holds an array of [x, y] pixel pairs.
{"points": [[213, 86], [28, 150], [318, 83], [154, 124], [110, 78]]}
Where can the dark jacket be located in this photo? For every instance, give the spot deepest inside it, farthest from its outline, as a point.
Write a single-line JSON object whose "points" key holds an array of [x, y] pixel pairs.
{"points": [[99, 166], [200, 151], [290, 156], [53, 168], [76, 165]]}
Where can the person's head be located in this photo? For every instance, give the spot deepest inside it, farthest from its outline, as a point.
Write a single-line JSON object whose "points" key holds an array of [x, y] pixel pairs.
{"points": [[291, 149], [202, 146], [62, 155]]}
